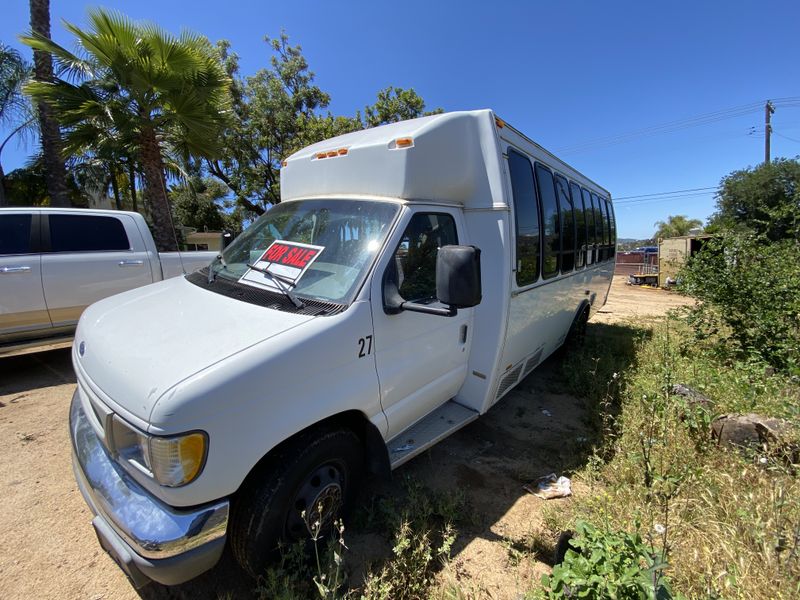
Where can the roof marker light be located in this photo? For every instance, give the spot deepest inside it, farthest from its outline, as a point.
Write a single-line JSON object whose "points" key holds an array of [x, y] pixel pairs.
{"points": [[499, 122], [320, 155], [284, 163], [332, 153], [404, 142], [342, 151]]}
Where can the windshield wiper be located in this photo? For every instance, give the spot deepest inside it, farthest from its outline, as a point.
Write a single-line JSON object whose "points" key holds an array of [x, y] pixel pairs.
{"points": [[212, 274], [277, 279]]}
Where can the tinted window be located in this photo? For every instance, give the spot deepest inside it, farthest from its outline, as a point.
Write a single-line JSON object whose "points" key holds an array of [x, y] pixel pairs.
{"points": [[580, 225], [590, 229], [15, 234], [527, 218], [598, 228], [567, 225], [601, 205], [415, 257], [551, 225], [83, 233], [613, 223]]}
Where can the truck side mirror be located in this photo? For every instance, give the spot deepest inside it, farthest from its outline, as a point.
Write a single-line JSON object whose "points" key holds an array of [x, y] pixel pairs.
{"points": [[458, 283], [458, 276]]}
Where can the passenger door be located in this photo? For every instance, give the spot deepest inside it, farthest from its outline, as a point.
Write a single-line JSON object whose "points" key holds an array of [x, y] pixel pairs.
{"points": [[23, 312], [88, 258], [421, 359]]}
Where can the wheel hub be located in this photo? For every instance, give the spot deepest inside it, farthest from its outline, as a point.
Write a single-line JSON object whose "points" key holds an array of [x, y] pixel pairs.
{"points": [[317, 503]]}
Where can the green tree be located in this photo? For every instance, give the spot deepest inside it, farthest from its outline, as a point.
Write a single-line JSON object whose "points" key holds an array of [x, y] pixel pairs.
{"points": [[764, 200], [49, 134], [396, 104], [675, 226], [202, 203], [168, 94], [15, 110], [278, 111]]}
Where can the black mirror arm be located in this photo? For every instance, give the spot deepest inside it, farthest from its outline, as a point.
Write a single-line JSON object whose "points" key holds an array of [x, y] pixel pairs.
{"points": [[393, 302]]}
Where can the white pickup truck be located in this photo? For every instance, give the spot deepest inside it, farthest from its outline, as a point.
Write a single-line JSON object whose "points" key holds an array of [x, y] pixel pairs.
{"points": [[56, 262], [412, 275]]}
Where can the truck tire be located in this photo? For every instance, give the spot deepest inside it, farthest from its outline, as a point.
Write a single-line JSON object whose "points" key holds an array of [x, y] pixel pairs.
{"points": [[322, 467]]}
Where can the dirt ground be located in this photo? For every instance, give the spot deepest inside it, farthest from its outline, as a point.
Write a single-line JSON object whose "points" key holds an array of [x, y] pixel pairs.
{"points": [[48, 548]]}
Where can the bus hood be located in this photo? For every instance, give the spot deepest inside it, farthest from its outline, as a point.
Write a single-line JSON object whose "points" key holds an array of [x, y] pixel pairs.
{"points": [[131, 348]]}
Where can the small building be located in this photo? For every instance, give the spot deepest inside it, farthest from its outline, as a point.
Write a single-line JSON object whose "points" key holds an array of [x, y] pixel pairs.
{"points": [[673, 254], [204, 240]]}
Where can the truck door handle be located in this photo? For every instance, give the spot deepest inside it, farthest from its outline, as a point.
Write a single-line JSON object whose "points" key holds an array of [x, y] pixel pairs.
{"points": [[130, 263], [15, 269]]}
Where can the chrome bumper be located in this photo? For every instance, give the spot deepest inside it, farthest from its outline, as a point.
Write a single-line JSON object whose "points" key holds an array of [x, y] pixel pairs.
{"points": [[147, 526]]}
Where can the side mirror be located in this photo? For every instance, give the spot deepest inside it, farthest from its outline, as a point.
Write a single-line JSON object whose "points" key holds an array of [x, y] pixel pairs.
{"points": [[225, 239], [458, 276], [458, 283]]}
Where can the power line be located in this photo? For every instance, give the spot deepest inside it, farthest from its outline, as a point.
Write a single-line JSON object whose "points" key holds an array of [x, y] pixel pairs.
{"points": [[702, 189], [677, 125], [786, 137]]}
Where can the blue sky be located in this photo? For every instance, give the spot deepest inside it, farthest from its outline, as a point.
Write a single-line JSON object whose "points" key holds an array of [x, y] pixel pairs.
{"points": [[564, 73]]}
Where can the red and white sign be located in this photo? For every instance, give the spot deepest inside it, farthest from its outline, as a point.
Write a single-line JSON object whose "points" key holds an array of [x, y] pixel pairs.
{"points": [[287, 260]]}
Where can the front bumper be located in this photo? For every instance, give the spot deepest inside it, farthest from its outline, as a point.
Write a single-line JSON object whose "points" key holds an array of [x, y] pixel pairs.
{"points": [[148, 539]]}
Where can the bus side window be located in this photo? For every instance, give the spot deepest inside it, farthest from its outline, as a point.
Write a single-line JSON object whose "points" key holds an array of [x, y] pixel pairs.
{"points": [[580, 225], [613, 232], [567, 225], [589, 214], [601, 205], [551, 222], [526, 213], [598, 228]]}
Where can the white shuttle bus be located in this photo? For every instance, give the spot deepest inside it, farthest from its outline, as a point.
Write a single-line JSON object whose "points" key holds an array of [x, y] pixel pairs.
{"points": [[411, 276]]}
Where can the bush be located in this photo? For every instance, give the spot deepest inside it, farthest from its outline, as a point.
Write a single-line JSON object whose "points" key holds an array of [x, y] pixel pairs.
{"points": [[750, 293], [607, 564]]}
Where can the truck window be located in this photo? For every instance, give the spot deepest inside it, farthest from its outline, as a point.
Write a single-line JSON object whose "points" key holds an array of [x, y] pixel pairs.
{"points": [[15, 234], [601, 206], [567, 225], [415, 256], [551, 223], [526, 214], [580, 225], [86, 233]]}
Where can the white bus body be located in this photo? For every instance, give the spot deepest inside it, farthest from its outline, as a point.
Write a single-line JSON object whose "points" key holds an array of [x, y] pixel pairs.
{"points": [[251, 388]]}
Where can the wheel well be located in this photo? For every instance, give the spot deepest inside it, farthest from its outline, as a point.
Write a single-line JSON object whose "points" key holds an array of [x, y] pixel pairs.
{"points": [[376, 456]]}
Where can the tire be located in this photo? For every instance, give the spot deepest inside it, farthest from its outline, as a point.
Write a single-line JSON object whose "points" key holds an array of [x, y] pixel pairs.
{"points": [[576, 336], [322, 466]]}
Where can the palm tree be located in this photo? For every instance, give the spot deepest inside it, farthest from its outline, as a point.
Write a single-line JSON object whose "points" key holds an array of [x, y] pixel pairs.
{"points": [[146, 91], [15, 110], [49, 134], [675, 226]]}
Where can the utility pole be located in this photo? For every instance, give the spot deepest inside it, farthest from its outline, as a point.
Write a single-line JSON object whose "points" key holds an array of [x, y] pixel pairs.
{"points": [[768, 110]]}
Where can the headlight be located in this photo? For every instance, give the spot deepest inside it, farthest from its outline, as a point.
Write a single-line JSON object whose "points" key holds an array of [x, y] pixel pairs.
{"points": [[172, 461]]}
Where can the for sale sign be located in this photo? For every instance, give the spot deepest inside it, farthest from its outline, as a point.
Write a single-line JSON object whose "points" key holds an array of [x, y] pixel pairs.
{"points": [[287, 260]]}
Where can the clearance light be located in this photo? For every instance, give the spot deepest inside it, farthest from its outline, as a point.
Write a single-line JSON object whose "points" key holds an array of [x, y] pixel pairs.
{"points": [[332, 153], [404, 142], [499, 122], [320, 155], [284, 163], [342, 151]]}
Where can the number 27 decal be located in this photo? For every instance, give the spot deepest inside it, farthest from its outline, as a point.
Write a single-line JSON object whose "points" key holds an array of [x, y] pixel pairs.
{"points": [[365, 346]]}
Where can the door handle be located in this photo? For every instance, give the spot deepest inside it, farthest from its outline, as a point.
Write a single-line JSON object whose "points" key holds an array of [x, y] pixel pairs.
{"points": [[130, 263], [19, 269]]}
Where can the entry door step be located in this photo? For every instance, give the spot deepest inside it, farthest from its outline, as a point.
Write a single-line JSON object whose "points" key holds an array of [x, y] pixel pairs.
{"points": [[447, 419]]}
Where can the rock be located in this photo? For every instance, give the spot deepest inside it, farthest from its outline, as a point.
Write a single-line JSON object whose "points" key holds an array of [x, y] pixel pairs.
{"points": [[692, 396], [749, 430]]}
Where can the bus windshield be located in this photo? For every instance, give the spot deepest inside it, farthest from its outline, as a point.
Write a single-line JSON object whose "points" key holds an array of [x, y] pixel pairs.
{"points": [[349, 233]]}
